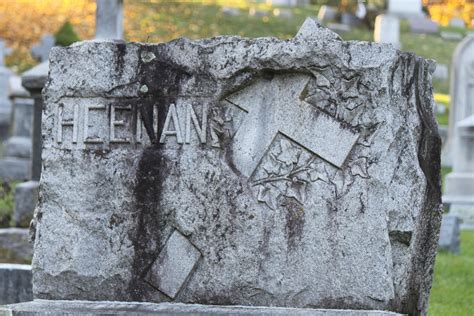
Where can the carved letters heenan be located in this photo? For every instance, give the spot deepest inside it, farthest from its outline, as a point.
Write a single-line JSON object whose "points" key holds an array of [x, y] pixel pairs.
{"points": [[100, 123]]}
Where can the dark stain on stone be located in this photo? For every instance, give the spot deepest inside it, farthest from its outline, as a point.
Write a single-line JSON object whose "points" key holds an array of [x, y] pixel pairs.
{"points": [[120, 62], [151, 227], [403, 237], [295, 219]]}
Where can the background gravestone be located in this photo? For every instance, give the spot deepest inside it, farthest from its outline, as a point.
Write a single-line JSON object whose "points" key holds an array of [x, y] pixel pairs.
{"points": [[284, 177], [449, 235], [405, 8], [387, 30], [40, 51], [462, 92], [15, 280], [5, 104], [109, 19]]}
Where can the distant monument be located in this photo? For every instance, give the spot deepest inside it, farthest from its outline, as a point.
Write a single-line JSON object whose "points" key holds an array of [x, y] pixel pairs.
{"points": [[5, 104], [405, 8], [387, 30], [234, 171], [459, 148], [109, 19]]}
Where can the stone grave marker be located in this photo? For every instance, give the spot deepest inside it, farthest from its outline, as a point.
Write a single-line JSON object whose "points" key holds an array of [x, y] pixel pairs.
{"points": [[109, 19], [16, 161], [15, 283], [459, 191], [441, 72], [387, 30], [41, 50], [449, 235], [283, 178], [288, 3], [5, 104], [405, 8], [461, 91], [14, 245], [423, 25], [451, 36], [327, 14]]}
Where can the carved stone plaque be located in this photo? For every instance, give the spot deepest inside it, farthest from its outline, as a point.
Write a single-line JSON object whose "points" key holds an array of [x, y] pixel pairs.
{"points": [[298, 173]]}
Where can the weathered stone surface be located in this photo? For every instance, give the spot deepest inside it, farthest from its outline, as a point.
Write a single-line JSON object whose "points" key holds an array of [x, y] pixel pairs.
{"points": [[305, 172], [83, 308], [15, 283], [14, 246]]}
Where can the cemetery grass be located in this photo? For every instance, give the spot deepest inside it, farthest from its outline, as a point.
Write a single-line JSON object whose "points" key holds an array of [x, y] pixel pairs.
{"points": [[453, 285]]}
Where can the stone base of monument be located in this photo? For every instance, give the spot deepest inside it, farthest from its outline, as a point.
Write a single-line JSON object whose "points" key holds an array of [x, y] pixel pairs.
{"points": [[459, 195], [15, 168], [15, 283], [47, 307]]}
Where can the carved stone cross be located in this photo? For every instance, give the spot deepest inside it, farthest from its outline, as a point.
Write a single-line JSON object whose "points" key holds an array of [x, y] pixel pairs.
{"points": [[41, 50], [275, 107]]}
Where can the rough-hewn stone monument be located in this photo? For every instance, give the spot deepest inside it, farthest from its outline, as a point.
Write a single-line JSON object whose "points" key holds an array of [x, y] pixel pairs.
{"points": [[233, 171]]}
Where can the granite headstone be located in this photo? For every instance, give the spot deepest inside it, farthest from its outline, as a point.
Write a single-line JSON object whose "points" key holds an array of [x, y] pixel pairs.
{"points": [[233, 171]]}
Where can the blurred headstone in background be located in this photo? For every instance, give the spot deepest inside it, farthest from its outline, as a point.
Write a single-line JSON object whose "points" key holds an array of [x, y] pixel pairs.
{"points": [[327, 14], [405, 8], [288, 3], [230, 11], [449, 235], [460, 183], [26, 195], [15, 246], [459, 148], [16, 161], [16, 283], [109, 19], [441, 72], [423, 25], [461, 92], [387, 30], [40, 51], [451, 36], [5, 104]]}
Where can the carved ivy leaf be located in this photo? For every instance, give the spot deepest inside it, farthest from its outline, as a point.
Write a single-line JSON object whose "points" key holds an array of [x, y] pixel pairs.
{"points": [[318, 172], [268, 196], [296, 189], [289, 153], [359, 168], [271, 167]]}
